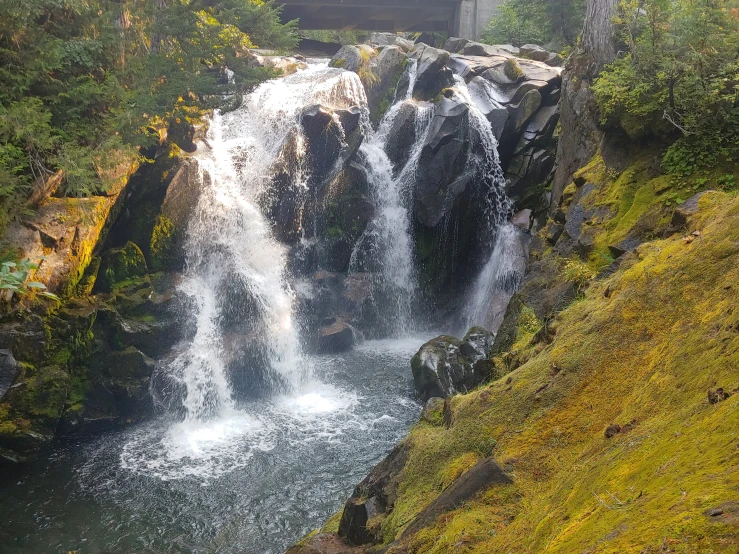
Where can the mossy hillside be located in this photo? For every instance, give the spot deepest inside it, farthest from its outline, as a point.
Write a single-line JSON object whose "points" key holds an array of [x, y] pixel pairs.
{"points": [[642, 346], [638, 202]]}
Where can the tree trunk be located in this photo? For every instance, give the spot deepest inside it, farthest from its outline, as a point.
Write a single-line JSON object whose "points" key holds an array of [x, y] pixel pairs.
{"points": [[581, 136], [598, 32]]}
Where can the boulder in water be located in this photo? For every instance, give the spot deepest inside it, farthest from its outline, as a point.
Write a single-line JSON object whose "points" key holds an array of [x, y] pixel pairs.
{"points": [[33, 408], [402, 135], [335, 337], [446, 365]]}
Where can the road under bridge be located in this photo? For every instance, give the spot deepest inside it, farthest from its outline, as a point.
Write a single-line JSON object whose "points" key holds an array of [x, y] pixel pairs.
{"points": [[460, 18]]}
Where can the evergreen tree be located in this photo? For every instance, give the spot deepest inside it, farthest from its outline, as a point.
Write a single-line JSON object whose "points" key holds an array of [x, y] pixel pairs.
{"points": [[86, 84]]}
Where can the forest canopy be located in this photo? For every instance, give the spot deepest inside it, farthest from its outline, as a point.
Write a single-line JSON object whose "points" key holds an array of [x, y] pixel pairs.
{"points": [[85, 85]]}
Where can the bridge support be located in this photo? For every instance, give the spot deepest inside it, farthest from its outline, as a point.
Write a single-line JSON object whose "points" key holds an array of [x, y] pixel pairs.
{"points": [[473, 16]]}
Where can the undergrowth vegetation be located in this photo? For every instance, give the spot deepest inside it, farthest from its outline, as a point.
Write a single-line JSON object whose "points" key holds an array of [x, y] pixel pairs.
{"points": [[678, 76], [556, 23], [86, 84]]}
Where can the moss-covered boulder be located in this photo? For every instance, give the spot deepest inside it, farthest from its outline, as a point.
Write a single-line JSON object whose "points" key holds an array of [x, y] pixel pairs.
{"points": [[120, 265], [30, 411], [159, 203], [446, 365]]}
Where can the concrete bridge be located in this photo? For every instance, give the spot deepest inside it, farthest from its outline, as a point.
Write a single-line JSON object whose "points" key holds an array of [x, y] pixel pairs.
{"points": [[460, 18]]}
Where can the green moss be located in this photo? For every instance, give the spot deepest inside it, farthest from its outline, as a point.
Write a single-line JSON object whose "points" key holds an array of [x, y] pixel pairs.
{"points": [[163, 242], [512, 70], [120, 265], [643, 345], [332, 525], [334, 232], [338, 63]]}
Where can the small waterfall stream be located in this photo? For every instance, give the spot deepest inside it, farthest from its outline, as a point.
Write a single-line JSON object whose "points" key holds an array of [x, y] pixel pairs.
{"points": [[387, 248]]}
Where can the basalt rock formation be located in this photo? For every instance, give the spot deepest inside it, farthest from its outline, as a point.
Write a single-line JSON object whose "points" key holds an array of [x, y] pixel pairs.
{"points": [[115, 260]]}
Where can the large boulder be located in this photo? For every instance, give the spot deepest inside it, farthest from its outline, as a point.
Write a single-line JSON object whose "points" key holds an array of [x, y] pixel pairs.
{"points": [[432, 74], [119, 265], [115, 393], [375, 495], [353, 58], [402, 135], [446, 365], [341, 217], [386, 71], [30, 411], [160, 199], [334, 337], [331, 138], [485, 100], [475, 481], [527, 177]]}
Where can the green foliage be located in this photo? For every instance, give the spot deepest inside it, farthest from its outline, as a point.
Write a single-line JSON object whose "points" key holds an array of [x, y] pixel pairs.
{"points": [[520, 22], [679, 75], [85, 84], [14, 278]]}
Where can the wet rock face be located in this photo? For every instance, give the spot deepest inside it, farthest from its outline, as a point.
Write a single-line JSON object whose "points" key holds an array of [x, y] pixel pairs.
{"points": [[386, 70], [433, 75], [9, 369], [160, 199], [440, 174], [446, 365], [302, 171]]}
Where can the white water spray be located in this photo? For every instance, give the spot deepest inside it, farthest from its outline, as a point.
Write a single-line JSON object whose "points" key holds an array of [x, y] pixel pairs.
{"points": [[388, 240], [235, 275]]}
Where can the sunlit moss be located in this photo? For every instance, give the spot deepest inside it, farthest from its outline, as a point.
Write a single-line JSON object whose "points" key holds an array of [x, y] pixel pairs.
{"points": [[643, 346]]}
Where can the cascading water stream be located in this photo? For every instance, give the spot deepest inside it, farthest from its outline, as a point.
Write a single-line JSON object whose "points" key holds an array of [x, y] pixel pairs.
{"points": [[236, 278], [388, 242], [502, 273]]}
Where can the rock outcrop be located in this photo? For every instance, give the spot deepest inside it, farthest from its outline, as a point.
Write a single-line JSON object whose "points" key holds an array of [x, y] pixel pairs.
{"points": [[445, 365]]}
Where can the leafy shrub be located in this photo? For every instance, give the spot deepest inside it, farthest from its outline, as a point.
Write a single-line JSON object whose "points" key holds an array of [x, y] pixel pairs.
{"points": [[14, 279], [678, 76]]}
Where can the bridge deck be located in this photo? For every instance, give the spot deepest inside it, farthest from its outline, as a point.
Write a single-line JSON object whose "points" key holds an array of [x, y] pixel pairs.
{"points": [[373, 15]]}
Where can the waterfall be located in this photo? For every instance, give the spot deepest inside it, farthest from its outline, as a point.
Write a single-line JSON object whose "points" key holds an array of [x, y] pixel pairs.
{"points": [[236, 277], [502, 273], [498, 281], [387, 248]]}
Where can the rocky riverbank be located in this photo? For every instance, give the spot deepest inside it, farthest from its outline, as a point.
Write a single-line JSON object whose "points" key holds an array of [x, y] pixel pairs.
{"points": [[601, 417]]}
